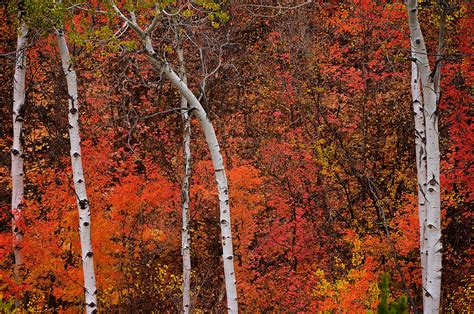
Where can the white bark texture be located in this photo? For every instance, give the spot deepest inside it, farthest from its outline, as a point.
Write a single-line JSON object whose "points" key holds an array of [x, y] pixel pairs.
{"points": [[221, 180], [17, 172], [90, 290], [185, 237], [217, 161], [432, 289], [420, 154]]}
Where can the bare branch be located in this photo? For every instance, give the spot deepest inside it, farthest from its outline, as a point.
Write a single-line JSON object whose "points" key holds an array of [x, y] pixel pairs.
{"points": [[121, 31], [153, 24], [436, 75], [279, 7], [132, 24]]}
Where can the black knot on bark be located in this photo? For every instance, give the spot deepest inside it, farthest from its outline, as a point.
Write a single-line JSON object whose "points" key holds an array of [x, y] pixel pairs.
{"points": [[83, 203], [80, 181], [92, 304], [417, 41], [86, 224], [229, 257], [433, 181], [70, 126], [15, 152], [223, 221], [89, 254], [76, 154], [73, 110], [19, 119]]}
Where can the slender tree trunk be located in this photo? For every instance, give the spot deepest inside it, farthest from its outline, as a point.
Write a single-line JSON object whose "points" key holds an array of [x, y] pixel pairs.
{"points": [[420, 152], [17, 155], [217, 160], [432, 288], [185, 238], [221, 180], [78, 177]]}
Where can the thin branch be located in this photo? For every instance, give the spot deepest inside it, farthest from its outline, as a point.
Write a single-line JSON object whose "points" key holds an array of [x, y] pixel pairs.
{"points": [[121, 31], [132, 24], [153, 24], [175, 110], [436, 75], [281, 8]]}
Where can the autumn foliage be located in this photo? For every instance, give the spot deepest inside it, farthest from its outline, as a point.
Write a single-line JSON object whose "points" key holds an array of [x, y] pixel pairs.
{"points": [[312, 108]]}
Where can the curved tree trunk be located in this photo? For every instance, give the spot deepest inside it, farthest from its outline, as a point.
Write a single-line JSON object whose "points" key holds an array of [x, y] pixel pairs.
{"points": [[217, 160], [432, 289], [78, 177], [221, 180], [17, 172], [185, 237]]}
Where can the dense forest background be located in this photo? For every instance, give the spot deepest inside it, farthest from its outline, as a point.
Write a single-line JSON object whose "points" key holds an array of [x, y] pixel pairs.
{"points": [[312, 107]]}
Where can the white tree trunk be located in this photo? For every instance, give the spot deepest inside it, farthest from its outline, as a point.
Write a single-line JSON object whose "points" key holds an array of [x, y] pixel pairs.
{"points": [[185, 237], [217, 161], [420, 152], [433, 217], [17, 149], [221, 179], [78, 177]]}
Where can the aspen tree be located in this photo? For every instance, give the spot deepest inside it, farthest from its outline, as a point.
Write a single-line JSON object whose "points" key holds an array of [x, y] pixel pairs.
{"points": [[214, 148], [430, 180], [90, 290], [185, 237], [420, 155], [17, 155]]}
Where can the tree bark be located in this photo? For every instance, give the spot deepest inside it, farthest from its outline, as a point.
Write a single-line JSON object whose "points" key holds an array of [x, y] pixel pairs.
{"points": [[217, 160], [185, 237], [420, 154], [221, 180], [432, 289], [17, 155], [90, 290]]}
